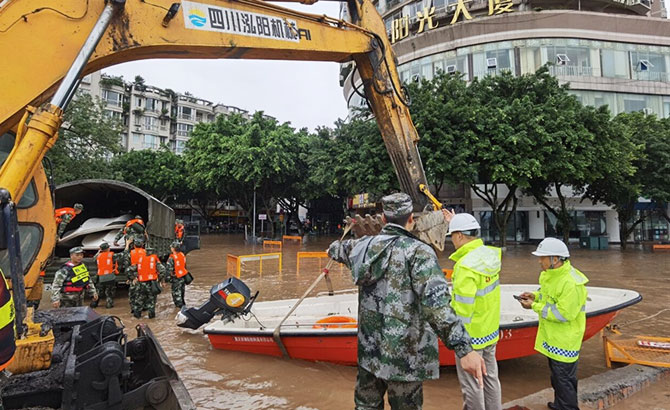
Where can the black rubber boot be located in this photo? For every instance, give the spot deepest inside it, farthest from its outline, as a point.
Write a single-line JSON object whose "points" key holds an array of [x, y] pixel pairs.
{"points": [[152, 314], [137, 314], [551, 405], [110, 304]]}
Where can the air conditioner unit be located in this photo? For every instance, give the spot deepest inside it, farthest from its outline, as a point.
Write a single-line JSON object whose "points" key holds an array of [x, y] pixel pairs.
{"points": [[416, 78], [647, 111], [491, 62], [451, 69], [562, 59], [644, 65]]}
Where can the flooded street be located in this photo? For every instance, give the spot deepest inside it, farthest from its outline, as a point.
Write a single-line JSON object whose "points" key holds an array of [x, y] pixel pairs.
{"points": [[226, 380]]}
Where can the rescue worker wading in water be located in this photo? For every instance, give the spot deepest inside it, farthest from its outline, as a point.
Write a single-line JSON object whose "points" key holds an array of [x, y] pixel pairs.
{"points": [[146, 275], [108, 269], [71, 281], [177, 274], [129, 261]]}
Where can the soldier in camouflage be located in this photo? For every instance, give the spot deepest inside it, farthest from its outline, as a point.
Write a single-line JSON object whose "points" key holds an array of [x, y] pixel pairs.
{"points": [[134, 229], [65, 215], [146, 291], [176, 273], [126, 267], [72, 281], [403, 306], [106, 288]]}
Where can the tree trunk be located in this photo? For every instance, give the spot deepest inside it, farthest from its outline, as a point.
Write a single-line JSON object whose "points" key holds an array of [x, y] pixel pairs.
{"points": [[623, 232]]}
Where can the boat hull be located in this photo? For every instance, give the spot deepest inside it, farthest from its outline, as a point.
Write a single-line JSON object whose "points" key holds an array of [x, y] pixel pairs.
{"points": [[342, 348]]}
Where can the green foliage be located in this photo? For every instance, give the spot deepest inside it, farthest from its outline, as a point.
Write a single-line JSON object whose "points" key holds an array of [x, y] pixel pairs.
{"points": [[85, 148], [160, 173], [108, 81], [640, 169], [350, 159]]}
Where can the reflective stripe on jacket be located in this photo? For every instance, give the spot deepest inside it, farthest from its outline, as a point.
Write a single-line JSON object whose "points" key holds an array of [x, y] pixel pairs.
{"points": [[136, 254], [77, 277], [7, 329], [561, 305], [147, 268], [476, 281], [179, 260], [62, 211], [106, 264]]}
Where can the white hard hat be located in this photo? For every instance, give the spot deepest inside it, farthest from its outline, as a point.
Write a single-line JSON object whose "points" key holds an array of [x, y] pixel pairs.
{"points": [[552, 247], [462, 222]]}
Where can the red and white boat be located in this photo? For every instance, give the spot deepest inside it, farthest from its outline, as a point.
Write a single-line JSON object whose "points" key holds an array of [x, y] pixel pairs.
{"points": [[323, 328]]}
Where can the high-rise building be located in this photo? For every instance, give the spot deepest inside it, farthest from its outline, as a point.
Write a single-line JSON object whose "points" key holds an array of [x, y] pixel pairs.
{"points": [[612, 52], [151, 116]]}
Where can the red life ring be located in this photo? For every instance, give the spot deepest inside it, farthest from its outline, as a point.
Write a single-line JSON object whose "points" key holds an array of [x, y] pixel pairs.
{"points": [[336, 321]]}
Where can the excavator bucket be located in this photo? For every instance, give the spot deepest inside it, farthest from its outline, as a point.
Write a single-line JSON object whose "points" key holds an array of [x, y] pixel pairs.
{"points": [[429, 227], [95, 366]]}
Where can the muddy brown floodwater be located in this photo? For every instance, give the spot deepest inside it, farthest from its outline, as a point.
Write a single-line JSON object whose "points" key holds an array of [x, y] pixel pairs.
{"points": [[227, 380]]}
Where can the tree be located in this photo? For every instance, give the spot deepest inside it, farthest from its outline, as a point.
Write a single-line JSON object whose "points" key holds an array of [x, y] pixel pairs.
{"points": [[85, 147], [579, 148], [160, 173], [351, 159], [236, 157]]}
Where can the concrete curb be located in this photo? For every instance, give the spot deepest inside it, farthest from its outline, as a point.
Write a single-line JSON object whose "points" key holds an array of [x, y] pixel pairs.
{"points": [[600, 391]]}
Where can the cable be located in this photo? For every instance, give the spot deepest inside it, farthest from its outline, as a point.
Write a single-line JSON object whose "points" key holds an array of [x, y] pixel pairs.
{"points": [[644, 318], [24, 17], [155, 5]]}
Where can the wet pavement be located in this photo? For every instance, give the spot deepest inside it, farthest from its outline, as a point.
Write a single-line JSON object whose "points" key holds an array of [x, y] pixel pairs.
{"points": [[228, 380]]}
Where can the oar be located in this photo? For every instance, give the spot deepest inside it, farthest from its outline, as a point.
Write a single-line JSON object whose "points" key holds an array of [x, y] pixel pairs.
{"points": [[324, 274]]}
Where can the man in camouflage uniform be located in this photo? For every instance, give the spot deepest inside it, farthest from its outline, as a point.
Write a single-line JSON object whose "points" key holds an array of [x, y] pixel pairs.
{"points": [[66, 218], [107, 289], [126, 266], [403, 303], [145, 292], [178, 283], [71, 281], [135, 230]]}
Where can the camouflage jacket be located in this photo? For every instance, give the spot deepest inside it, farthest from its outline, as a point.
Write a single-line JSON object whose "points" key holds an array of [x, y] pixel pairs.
{"points": [[403, 303], [133, 231]]}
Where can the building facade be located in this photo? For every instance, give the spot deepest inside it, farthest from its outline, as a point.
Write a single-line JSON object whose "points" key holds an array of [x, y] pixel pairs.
{"points": [[612, 52], [152, 117]]}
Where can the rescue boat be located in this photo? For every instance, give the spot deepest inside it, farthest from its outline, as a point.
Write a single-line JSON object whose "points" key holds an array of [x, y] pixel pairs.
{"points": [[323, 328]]}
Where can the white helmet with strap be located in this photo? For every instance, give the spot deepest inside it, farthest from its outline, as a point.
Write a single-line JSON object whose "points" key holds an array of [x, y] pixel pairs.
{"points": [[552, 247], [462, 222]]}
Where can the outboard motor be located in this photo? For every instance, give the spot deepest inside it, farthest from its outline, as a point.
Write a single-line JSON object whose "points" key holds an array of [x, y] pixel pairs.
{"points": [[231, 299]]}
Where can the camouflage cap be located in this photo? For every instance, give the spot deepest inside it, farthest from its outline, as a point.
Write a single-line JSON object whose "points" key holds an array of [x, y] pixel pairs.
{"points": [[78, 206], [150, 250], [175, 244], [76, 249], [104, 245], [138, 241], [397, 205], [138, 216]]}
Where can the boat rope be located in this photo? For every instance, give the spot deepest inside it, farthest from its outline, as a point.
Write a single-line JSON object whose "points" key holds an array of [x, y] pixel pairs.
{"points": [[644, 318]]}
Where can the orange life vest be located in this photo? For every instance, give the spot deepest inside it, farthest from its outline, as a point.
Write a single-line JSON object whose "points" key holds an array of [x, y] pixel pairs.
{"points": [[135, 255], [179, 260], [132, 221], [146, 268], [63, 211], [179, 231], [106, 263]]}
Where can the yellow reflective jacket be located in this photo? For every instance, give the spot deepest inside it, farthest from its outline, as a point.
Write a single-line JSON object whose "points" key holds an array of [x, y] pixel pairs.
{"points": [[476, 281], [561, 304]]}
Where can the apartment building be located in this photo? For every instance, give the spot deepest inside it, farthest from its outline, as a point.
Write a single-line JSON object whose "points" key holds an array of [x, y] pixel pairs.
{"points": [[151, 116]]}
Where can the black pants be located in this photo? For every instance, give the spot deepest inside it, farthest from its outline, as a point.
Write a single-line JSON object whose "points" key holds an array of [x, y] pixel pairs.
{"points": [[564, 382]]}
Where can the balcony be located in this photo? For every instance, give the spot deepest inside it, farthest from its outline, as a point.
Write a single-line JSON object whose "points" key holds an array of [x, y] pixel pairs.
{"points": [[186, 117], [651, 76], [571, 70]]}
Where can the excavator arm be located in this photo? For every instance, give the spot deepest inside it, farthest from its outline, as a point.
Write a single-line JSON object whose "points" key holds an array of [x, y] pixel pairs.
{"points": [[45, 44]]}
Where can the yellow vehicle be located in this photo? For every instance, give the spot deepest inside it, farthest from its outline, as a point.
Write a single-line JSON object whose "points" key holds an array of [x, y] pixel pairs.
{"points": [[48, 46]]}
